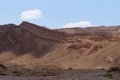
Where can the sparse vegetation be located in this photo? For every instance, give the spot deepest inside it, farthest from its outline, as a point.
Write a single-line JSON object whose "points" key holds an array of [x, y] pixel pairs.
{"points": [[108, 75], [70, 68], [17, 73], [114, 69], [102, 69]]}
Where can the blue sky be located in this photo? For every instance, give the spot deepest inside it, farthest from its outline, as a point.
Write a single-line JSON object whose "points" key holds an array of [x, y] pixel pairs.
{"points": [[58, 13]]}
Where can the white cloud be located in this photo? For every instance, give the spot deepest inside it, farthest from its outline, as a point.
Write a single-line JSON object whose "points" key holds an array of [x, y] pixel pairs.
{"points": [[31, 14], [81, 24]]}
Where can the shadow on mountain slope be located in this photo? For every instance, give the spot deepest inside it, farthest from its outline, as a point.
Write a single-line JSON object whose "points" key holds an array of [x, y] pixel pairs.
{"points": [[29, 39]]}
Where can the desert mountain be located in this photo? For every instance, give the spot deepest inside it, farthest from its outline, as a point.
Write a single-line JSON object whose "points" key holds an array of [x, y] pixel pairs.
{"points": [[32, 46]]}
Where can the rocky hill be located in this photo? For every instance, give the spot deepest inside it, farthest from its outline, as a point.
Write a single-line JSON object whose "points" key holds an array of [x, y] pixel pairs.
{"points": [[34, 46]]}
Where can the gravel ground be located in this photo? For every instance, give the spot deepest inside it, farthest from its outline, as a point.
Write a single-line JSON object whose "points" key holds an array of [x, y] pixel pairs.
{"points": [[80, 77], [66, 75]]}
